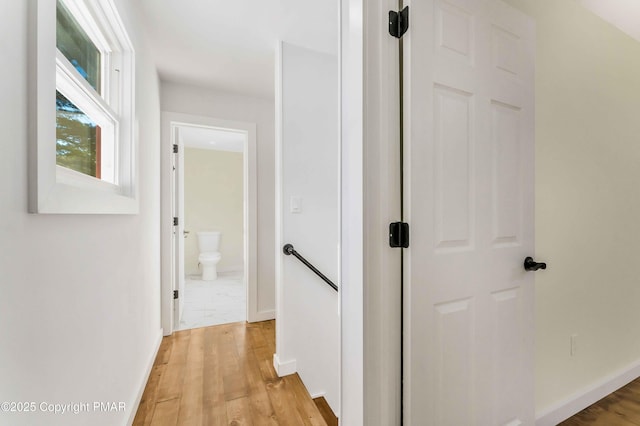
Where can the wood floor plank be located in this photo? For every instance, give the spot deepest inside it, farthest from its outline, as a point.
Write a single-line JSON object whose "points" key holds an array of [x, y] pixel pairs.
{"points": [[238, 412], [191, 401], [170, 385], [216, 415], [608, 418], [326, 411], [265, 362], [164, 352], [147, 406], [262, 412], [241, 338], [234, 382], [630, 407], [621, 408], [260, 407], [256, 337], [306, 407], [215, 409], [223, 375], [284, 404], [269, 332], [166, 413], [213, 387]]}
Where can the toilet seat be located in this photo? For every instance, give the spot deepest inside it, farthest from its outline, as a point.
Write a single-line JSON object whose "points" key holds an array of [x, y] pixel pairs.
{"points": [[213, 256]]}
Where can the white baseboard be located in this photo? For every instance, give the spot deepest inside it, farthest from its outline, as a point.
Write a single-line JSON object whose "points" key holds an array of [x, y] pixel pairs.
{"points": [[284, 368], [585, 397], [145, 377], [231, 269], [263, 316]]}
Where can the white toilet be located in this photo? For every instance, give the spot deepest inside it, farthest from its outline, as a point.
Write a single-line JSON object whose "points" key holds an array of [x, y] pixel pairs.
{"points": [[208, 244]]}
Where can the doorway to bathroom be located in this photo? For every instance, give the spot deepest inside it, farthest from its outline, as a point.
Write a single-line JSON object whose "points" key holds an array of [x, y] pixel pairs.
{"points": [[213, 230], [212, 176]]}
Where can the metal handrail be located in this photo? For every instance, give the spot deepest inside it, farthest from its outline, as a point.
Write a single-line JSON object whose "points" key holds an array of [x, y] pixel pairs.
{"points": [[289, 250]]}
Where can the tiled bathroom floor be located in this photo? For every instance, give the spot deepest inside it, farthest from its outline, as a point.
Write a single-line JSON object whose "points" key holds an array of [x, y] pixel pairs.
{"points": [[213, 302]]}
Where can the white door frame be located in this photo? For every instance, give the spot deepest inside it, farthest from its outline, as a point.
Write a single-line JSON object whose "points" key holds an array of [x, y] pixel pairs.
{"points": [[169, 121], [177, 200], [370, 314]]}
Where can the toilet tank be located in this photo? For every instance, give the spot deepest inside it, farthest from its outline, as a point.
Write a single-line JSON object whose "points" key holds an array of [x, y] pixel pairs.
{"points": [[208, 241]]}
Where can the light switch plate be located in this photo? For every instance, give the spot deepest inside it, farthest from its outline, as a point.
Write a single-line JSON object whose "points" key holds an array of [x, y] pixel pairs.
{"points": [[296, 205]]}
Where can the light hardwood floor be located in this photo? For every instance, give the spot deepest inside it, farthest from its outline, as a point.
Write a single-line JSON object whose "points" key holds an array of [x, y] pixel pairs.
{"points": [[621, 408], [223, 375]]}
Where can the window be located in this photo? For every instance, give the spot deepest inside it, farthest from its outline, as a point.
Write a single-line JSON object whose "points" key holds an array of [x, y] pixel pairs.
{"points": [[83, 161], [74, 43], [78, 139]]}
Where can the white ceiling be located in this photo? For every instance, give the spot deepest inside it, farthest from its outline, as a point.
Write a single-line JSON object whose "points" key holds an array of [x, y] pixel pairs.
{"points": [[624, 14], [230, 45], [216, 139]]}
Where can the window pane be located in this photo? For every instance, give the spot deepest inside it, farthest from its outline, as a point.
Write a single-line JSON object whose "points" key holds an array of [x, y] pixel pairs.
{"points": [[77, 47], [77, 138]]}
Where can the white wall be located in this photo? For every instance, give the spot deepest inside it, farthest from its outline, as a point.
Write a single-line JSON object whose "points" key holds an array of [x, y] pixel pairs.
{"points": [[80, 305], [308, 321], [204, 102], [213, 201], [587, 201]]}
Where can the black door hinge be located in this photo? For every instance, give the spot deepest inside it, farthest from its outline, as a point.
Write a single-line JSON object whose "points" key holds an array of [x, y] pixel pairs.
{"points": [[399, 234], [399, 22], [175, 294], [175, 221], [175, 148]]}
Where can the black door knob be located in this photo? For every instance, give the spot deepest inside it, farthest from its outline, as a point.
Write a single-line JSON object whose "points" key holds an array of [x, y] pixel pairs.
{"points": [[532, 265]]}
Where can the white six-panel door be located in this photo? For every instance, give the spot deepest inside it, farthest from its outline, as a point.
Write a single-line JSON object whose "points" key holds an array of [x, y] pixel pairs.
{"points": [[469, 129]]}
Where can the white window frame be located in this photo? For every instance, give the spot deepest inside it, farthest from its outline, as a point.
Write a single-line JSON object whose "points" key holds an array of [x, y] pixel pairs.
{"points": [[56, 189]]}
